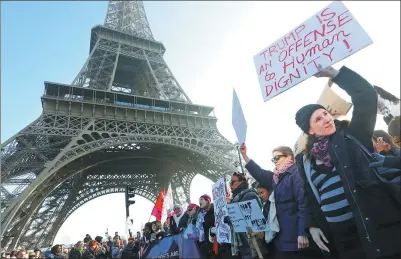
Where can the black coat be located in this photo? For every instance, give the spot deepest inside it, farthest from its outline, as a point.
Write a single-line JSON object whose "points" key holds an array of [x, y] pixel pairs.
{"points": [[377, 217], [208, 223], [244, 193]]}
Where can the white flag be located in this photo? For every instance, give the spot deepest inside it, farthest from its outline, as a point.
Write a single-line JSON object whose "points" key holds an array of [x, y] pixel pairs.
{"points": [[168, 203]]}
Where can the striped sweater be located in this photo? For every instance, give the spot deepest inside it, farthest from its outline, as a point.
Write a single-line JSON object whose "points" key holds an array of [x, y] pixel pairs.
{"points": [[334, 203]]}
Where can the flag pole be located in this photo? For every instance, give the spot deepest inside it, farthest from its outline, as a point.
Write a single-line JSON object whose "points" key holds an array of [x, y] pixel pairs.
{"points": [[239, 157]]}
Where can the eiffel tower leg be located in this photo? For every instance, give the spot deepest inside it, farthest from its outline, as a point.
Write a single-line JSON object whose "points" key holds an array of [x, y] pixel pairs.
{"points": [[27, 198]]}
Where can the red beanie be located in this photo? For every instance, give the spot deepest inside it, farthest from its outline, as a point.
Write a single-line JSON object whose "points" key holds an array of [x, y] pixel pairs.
{"points": [[191, 206], [206, 197]]}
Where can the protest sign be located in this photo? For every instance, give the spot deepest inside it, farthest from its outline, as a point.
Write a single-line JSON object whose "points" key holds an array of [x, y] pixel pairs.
{"points": [[334, 104], [238, 119], [246, 214], [326, 38], [223, 232]]}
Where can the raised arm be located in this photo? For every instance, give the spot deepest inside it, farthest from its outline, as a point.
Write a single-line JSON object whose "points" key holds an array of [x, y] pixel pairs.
{"points": [[264, 177], [364, 99]]}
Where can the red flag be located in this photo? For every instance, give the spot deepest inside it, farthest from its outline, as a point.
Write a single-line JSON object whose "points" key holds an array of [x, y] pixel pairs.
{"points": [[158, 208]]}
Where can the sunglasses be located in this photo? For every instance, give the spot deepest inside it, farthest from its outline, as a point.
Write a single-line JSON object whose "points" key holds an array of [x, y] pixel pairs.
{"points": [[277, 157]]}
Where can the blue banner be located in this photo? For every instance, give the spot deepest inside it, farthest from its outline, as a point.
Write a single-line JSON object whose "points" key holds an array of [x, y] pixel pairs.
{"points": [[173, 247]]}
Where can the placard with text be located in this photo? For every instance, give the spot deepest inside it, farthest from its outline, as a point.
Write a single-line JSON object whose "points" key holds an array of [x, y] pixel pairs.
{"points": [[223, 232], [326, 38], [246, 214]]}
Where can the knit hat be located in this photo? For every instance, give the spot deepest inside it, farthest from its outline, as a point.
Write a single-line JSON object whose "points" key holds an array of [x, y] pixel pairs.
{"points": [[206, 197], [191, 206], [302, 117]]}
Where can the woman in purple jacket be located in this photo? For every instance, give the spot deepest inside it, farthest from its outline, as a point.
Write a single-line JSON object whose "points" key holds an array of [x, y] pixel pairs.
{"points": [[290, 200]]}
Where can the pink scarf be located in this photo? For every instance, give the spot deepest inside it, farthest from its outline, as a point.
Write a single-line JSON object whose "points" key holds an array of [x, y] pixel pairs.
{"points": [[279, 171]]}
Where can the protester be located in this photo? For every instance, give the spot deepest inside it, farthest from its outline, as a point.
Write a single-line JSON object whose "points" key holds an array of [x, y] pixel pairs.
{"points": [[157, 232], [77, 251], [147, 232], [87, 238], [116, 236], [394, 130], [21, 254], [240, 242], [94, 251], [204, 222], [131, 250], [38, 253], [288, 190], [384, 144], [345, 201], [54, 253], [110, 242], [264, 194], [388, 105], [178, 215]]}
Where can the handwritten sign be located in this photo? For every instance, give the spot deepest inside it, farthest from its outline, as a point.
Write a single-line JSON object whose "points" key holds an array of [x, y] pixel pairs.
{"points": [[238, 119], [334, 104], [326, 38], [223, 232], [247, 214]]}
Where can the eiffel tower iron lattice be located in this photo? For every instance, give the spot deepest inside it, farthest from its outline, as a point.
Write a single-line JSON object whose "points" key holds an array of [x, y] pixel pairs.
{"points": [[124, 121]]}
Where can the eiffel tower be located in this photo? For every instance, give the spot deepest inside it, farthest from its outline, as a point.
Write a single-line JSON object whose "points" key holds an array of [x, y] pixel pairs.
{"points": [[123, 121]]}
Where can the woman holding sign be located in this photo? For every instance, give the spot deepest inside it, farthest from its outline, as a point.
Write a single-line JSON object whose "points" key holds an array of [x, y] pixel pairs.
{"points": [[346, 201], [288, 191]]}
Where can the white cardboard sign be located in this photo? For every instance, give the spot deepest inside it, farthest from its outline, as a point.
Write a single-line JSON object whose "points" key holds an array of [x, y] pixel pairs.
{"points": [[326, 38], [238, 119], [246, 214], [223, 233]]}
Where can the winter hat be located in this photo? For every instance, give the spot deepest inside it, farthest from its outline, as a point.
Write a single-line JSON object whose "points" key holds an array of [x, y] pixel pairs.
{"points": [[302, 117], [191, 206], [206, 197], [99, 239]]}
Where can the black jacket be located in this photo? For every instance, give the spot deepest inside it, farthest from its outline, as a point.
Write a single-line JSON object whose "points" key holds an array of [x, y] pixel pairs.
{"points": [[74, 254], [208, 223], [377, 217], [244, 193]]}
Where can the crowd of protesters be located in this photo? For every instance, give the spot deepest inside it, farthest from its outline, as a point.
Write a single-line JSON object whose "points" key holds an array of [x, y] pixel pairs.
{"points": [[336, 199]]}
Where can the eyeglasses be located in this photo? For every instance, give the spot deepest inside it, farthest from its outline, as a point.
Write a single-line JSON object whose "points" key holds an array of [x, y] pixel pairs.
{"points": [[277, 157]]}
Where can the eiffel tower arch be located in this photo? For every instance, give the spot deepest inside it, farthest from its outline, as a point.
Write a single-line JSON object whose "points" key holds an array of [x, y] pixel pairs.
{"points": [[123, 121]]}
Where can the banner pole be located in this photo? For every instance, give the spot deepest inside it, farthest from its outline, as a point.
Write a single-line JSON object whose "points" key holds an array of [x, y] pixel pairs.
{"points": [[239, 158]]}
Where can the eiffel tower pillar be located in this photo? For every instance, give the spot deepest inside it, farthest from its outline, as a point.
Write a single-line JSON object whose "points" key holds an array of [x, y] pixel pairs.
{"points": [[124, 121]]}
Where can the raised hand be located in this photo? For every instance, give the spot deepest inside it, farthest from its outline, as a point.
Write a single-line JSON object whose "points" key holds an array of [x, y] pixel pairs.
{"points": [[329, 72], [243, 151]]}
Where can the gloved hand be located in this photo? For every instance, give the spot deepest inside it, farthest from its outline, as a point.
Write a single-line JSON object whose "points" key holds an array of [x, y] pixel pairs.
{"points": [[227, 220], [378, 160]]}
